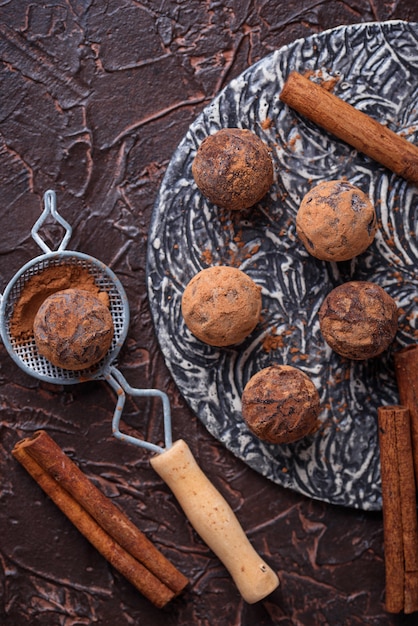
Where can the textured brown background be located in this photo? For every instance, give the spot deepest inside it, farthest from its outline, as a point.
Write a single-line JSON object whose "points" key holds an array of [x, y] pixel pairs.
{"points": [[94, 98]]}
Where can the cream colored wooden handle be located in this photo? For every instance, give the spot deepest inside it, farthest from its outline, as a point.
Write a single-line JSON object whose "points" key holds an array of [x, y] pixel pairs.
{"points": [[213, 519]]}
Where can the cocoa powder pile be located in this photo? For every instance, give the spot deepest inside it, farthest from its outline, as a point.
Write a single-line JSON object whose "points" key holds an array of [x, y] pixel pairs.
{"points": [[40, 286]]}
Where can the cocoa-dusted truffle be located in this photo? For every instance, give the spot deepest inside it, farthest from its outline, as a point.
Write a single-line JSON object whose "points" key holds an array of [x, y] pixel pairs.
{"points": [[221, 305], [73, 329], [358, 319], [280, 404], [336, 221], [233, 168]]}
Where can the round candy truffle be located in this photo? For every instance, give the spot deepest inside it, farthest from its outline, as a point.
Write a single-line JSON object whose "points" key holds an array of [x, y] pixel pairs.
{"points": [[336, 221], [280, 404], [233, 168], [358, 319], [73, 329], [221, 305]]}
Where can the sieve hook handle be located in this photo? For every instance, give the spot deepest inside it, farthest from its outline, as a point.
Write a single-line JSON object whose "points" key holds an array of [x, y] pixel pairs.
{"points": [[119, 383], [50, 209]]}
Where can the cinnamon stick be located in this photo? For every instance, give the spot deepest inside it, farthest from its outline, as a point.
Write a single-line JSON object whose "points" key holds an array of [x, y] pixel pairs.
{"points": [[351, 125], [138, 575], [406, 371], [99, 520], [400, 525]]}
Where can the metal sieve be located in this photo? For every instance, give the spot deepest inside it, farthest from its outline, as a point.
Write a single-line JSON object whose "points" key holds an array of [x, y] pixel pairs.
{"points": [[205, 507], [24, 351]]}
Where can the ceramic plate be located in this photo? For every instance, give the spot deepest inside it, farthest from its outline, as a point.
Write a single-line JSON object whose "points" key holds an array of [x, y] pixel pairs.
{"points": [[374, 67]]}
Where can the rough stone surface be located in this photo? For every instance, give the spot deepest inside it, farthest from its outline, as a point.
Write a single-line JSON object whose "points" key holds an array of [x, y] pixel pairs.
{"points": [[95, 98]]}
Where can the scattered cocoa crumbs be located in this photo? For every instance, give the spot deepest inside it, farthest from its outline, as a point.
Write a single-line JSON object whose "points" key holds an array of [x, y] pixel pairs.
{"points": [[272, 341], [207, 257], [236, 248], [297, 357], [292, 142], [325, 80], [39, 286], [330, 83], [267, 123], [253, 250]]}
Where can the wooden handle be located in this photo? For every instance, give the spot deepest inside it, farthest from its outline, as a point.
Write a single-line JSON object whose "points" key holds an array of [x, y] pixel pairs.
{"points": [[213, 519]]}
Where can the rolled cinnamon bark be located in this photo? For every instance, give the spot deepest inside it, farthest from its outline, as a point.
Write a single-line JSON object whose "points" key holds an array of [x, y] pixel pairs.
{"points": [[138, 575], [69, 480], [351, 125], [392, 518], [406, 371], [399, 509]]}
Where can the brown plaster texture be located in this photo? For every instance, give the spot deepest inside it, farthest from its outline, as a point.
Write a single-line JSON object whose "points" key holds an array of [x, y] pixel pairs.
{"points": [[95, 97]]}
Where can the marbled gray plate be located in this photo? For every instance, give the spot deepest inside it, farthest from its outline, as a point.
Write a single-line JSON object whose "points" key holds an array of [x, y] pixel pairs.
{"points": [[377, 69]]}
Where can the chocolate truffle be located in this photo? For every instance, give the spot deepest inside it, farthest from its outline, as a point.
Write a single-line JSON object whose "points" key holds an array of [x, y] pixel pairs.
{"points": [[221, 305], [336, 221], [233, 168], [280, 404], [73, 329], [358, 319]]}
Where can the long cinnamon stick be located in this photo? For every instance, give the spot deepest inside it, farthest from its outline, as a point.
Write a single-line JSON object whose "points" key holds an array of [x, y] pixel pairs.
{"points": [[406, 371], [351, 125], [138, 575], [392, 519], [50, 456], [399, 509], [67, 483]]}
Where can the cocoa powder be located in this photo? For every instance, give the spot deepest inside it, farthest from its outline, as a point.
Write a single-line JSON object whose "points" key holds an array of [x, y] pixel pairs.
{"points": [[50, 280]]}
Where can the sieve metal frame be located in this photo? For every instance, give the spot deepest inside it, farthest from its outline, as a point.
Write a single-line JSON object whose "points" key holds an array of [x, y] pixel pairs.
{"points": [[25, 353]]}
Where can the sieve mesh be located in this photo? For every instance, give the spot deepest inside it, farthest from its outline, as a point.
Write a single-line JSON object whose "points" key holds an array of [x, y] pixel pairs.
{"points": [[26, 354]]}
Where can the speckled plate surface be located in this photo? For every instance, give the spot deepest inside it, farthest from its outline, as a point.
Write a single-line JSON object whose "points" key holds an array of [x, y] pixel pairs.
{"points": [[376, 65]]}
